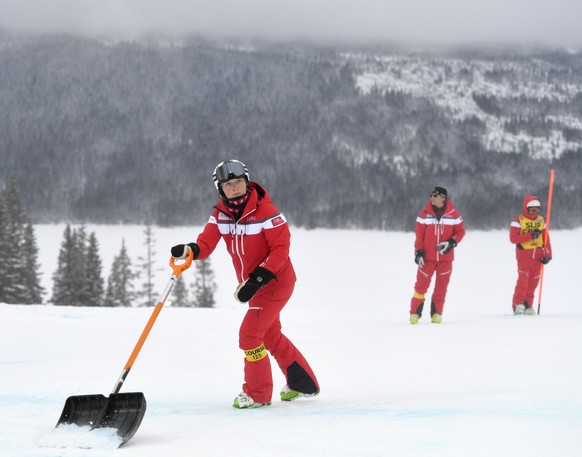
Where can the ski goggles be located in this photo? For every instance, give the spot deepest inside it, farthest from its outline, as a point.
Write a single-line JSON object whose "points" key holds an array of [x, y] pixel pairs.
{"points": [[230, 170]]}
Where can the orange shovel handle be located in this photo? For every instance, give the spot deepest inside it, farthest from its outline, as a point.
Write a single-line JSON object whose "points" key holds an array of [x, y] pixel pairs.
{"points": [[178, 270]]}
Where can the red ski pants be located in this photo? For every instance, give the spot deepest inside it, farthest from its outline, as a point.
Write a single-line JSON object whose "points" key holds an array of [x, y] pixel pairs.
{"points": [[424, 276], [260, 331], [528, 278]]}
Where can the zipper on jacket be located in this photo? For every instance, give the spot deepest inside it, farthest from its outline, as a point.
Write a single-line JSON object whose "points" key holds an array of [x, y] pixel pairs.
{"points": [[234, 246], [437, 232], [441, 230], [237, 243]]}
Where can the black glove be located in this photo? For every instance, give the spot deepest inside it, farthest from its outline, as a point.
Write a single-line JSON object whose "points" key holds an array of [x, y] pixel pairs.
{"points": [[535, 233], [180, 251], [419, 257], [545, 259], [446, 246], [257, 279]]}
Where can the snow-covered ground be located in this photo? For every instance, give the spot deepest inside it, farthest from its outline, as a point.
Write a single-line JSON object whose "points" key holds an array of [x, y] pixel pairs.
{"points": [[483, 383]]}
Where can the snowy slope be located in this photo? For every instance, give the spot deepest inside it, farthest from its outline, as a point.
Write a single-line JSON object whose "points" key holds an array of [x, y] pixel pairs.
{"points": [[483, 383], [451, 84]]}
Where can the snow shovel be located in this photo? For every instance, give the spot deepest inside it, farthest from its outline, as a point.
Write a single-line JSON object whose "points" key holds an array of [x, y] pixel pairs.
{"points": [[122, 412]]}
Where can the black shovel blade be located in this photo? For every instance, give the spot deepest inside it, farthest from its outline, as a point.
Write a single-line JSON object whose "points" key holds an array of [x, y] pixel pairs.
{"points": [[123, 412]]}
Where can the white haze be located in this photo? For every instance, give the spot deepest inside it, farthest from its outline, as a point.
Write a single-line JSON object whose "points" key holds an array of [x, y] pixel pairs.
{"points": [[546, 22]]}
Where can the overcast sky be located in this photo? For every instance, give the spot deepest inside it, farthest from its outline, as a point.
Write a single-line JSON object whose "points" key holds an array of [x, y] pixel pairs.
{"points": [[552, 22]]}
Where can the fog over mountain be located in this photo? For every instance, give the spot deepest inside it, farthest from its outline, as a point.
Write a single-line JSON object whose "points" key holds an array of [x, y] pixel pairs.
{"points": [[541, 22]]}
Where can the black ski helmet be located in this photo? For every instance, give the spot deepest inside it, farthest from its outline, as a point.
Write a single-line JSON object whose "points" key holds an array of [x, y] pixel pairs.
{"points": [[227, 170]]}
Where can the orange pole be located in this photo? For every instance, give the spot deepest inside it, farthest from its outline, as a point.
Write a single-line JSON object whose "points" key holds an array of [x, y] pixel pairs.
{"points": [[546, 234]]}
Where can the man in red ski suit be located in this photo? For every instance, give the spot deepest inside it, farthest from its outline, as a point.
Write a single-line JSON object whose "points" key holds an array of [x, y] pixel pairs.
{"points": [[528, 232], [257, 237], [439, 228]]}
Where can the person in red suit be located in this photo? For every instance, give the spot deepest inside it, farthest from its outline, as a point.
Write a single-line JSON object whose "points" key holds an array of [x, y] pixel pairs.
{"points": [[257, 237], [528, 232], [439, 229]]}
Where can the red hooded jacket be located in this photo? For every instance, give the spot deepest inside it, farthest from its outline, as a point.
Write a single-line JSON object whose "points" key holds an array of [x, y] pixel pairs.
{"points": [[260, 237], [520, 234], [431, 231]]}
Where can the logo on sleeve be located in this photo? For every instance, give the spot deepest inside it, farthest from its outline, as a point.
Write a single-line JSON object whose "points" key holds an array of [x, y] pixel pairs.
{"points": [[277, 221]]}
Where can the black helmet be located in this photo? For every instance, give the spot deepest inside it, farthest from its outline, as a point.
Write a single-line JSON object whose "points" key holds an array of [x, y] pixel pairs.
{"points": [[229, 169]]}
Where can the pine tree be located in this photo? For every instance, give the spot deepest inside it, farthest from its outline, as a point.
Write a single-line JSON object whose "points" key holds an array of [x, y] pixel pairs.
{"points": [[13, 289], [65, 277], [120, 291], [93, 273], [146, 294], [180, 296], [20, 278], [79, 259], [3, 247], [204, 284], [78, 280], [34, 290]]}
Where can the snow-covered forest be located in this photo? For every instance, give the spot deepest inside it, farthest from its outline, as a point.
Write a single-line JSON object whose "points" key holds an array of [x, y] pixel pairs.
{"points": [[102, 131]]}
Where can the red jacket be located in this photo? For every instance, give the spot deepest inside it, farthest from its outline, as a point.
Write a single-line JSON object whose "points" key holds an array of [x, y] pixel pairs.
{"points": [[431, 231], [260, 237], [520, 234]]}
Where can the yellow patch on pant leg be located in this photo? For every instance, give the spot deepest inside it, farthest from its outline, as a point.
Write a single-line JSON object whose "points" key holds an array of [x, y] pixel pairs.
{"points": [[258, 353], [419, 296]]}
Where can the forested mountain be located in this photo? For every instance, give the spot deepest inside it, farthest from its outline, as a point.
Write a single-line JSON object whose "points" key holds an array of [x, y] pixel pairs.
{"points": [[110, 132]]}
